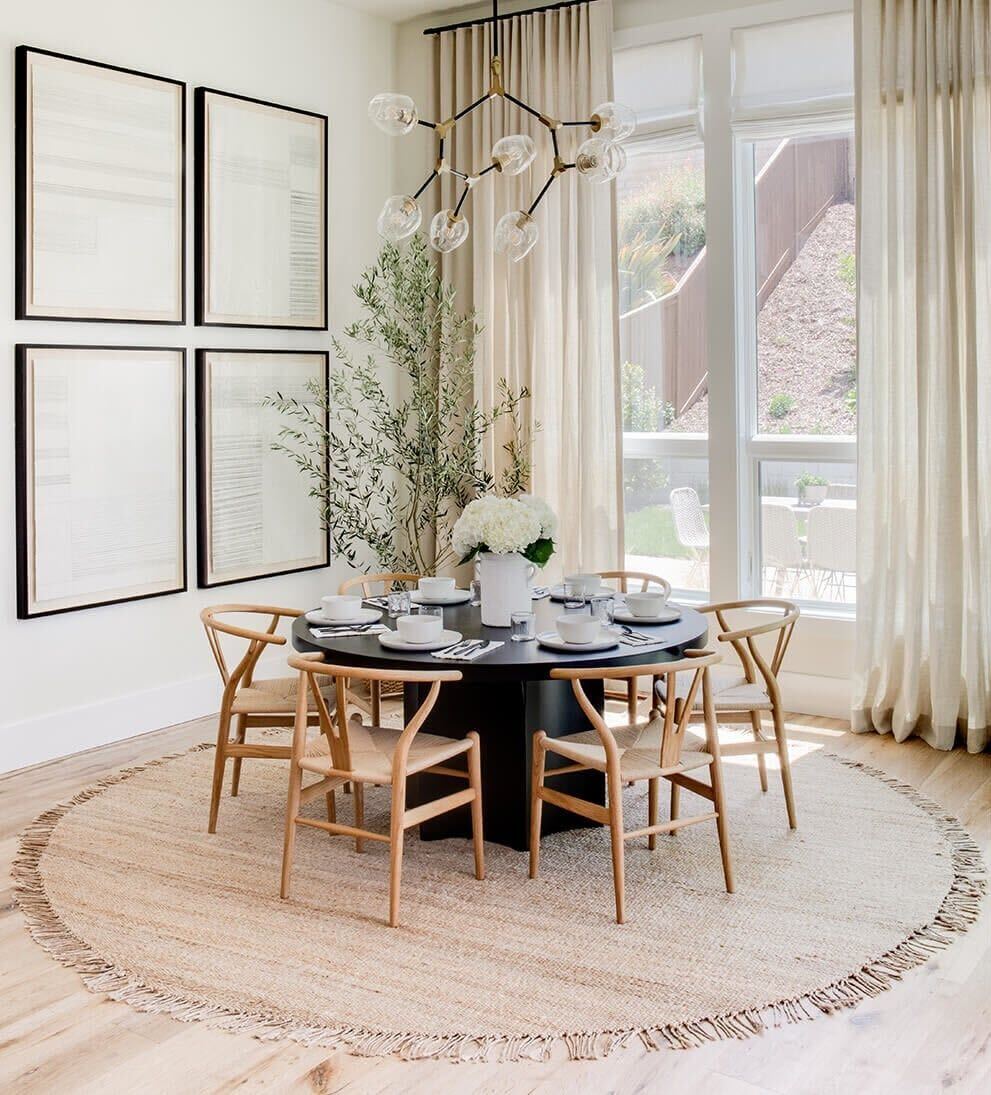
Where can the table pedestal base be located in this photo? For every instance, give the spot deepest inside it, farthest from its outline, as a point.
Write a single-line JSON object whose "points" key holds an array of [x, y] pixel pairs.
{"points": [[506, 716]]}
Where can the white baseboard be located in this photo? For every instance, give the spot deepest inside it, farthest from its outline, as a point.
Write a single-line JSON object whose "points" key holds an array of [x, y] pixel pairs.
{"points": [[806, 694], [76, 729]]}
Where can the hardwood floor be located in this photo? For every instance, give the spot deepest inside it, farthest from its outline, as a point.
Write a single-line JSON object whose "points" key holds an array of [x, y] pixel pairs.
{"points": [[931, 1033]]}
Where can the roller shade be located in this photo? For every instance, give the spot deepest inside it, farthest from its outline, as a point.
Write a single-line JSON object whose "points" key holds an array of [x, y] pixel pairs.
{"points": [[799, 68], [662, 82]]}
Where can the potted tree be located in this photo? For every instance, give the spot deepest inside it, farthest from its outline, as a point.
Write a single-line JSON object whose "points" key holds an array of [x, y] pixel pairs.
{"points": [[811, 488]]}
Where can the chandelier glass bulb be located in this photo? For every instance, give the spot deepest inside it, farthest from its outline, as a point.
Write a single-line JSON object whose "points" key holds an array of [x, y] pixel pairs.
{"points": [[600, 160], [448, 231], [616, 121], [393, 113], [515, 235], [400, 217], [514, 153]]}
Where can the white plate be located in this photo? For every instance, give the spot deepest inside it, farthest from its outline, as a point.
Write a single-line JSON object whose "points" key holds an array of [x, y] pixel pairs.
{"points": [[665, 616], [458, 597], [553, 641], [365, 616], [391, 641]]}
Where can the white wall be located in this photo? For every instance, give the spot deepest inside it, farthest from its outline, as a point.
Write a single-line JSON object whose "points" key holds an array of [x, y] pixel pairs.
{"points": [[73, 681]]}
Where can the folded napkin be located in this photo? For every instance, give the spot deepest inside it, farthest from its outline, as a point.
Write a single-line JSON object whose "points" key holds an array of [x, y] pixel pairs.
{"points": [[378, 602], [477, 652], [344, 632]]}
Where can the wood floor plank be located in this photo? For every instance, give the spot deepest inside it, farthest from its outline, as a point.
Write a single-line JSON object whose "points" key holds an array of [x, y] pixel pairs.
{"points": [[931, 1032]]}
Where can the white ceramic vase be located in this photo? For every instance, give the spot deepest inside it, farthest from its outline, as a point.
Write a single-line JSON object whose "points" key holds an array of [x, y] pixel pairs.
{"points": [[505, 587]]}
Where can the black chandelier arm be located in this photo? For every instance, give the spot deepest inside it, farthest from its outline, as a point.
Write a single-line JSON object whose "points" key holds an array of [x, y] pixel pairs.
{"points": [[464, 197], [474, 106], [426, 124], [581, 121], [494, 166], [429, 179], [524, 106], [543, 190]]}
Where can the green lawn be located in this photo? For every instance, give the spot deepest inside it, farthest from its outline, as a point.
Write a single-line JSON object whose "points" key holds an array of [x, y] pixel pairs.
{"points": [[650, 531]]}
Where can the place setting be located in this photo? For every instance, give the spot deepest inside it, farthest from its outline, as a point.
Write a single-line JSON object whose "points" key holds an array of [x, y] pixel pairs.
{"points": [[341, 615]]}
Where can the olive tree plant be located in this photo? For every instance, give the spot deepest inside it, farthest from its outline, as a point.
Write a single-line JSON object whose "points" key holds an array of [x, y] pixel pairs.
{"points": [[402, 453]]}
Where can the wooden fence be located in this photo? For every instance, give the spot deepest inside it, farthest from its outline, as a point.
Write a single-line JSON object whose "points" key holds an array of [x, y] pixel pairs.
{"points": [[794, 189]]}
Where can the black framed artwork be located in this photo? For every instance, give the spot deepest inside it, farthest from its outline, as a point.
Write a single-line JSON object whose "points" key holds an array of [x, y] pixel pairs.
{"points": [[100, 191], [261, 214], [255, 514], [100, 437]]}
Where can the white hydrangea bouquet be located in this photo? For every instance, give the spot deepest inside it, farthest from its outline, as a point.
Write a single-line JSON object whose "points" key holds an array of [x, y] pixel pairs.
{"points": [[511, 537], [503, 526]]}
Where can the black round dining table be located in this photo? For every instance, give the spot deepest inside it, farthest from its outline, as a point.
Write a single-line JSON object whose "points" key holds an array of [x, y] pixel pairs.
{"points": [[506, 696]]}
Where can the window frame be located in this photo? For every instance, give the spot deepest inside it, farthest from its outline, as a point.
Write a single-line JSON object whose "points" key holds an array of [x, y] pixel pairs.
{"points": [[732, 447]]}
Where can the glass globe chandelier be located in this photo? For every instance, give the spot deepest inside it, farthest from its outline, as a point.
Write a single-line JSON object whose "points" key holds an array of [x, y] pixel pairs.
{"points": [[599, 159]]}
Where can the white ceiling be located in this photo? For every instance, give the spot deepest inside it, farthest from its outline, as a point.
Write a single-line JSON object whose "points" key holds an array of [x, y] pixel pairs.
{"points": [[405, 9]]}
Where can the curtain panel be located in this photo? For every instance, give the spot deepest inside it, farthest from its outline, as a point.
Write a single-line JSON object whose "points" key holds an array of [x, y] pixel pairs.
{"points": [[550, 320], [924, 387]]}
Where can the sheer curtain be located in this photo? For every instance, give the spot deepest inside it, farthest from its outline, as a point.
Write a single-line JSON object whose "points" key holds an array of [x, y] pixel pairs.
{"points": [[924, 215], [549, 320]]}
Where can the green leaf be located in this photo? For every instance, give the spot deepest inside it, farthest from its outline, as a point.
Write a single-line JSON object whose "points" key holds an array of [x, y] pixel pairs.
{"points": [[540, 551]]}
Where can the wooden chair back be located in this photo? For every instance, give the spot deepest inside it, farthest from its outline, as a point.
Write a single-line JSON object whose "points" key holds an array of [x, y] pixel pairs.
{"points": [[387, 580], [744, 639], [257, 638], [310, 666], [625, 577], [676, 712]]}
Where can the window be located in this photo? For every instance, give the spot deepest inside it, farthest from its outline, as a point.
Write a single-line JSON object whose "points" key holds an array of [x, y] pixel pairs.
{"points": [[737, 324], [803, 378], [662, 333]]}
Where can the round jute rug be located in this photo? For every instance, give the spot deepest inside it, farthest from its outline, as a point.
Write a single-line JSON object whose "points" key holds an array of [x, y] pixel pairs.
{"points": [[125, 885]]}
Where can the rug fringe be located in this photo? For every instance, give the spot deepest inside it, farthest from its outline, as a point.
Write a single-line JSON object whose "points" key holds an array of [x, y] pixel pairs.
{"points": [[957, 912]]}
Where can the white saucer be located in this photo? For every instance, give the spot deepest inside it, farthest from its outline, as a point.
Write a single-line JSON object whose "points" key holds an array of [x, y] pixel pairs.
{"points": [[667, 615], [458, 597], [553, 641], [391, 641], [365, 616]]}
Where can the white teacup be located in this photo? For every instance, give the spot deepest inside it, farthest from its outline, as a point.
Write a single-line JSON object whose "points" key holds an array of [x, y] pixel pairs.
{"points": [[340, 606], [649, 603], [583, 584], [578, 628], [436, 587], [419, 629]]}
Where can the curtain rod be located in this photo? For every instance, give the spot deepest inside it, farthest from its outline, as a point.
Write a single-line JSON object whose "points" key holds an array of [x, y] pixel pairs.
{"points": [[483, 19]]}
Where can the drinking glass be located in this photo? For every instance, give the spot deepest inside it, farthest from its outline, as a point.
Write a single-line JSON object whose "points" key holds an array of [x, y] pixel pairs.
{"points": [[476, 591], [523, 626], [601, 607], [399, 603]]}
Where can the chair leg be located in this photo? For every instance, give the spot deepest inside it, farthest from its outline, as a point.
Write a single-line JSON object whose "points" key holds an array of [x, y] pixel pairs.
{"points": [[719, 801], [332, 805], [475, 783], [396, 834], [358, 790], [292, 809], [631, 699], [219, 763], [761, 763], [653, 788], [376, 713], [675, 805], [615, 793], [239, 738], [785, 763], [536, 803]]}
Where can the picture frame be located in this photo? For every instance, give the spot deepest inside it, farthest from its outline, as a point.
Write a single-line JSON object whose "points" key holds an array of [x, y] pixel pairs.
{"points": [[255, 516], [100, 465], [260, 236], [100, 191]]}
